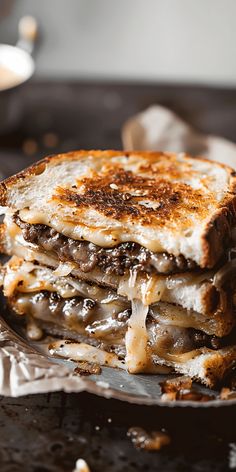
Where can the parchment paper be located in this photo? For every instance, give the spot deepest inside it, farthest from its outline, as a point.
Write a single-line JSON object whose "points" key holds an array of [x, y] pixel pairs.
{"points": [[159, 129], [26, 370]]}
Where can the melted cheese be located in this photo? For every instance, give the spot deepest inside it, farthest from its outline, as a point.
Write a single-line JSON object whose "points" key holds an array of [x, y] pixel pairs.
{"points": [[33, 331], [136, 339], [64, 269], [26, 277], [15, 273], [148, 289], [101, 236], [171, 359], [183, 289], [85, 352]]}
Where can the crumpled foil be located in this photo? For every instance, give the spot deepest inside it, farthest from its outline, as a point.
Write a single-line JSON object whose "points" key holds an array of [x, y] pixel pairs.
{"points": [[25, 369]]}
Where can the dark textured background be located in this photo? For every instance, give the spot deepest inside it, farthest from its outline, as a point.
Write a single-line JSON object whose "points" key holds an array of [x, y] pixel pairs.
{"points": [[45, 433]]}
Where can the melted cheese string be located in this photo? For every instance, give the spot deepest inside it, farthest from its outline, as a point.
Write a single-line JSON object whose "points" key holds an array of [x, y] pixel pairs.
{"points": [[84, 352], [136, 339], [148, 289]]}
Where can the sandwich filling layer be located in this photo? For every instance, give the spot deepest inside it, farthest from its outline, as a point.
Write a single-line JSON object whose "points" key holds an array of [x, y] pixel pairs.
{"points": [[107, 324], [193, 291], [108, 320], [116, 260]]}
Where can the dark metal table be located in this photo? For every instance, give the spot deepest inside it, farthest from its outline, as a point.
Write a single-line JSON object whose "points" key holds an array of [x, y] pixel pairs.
{"points": [[45, 433]]}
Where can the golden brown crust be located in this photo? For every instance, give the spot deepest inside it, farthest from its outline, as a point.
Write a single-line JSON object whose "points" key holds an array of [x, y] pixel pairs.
{"points": [[54, 159], [218, 365], [218, 230], [218, 306], [113, 194], [2, 239], [173, 198]]}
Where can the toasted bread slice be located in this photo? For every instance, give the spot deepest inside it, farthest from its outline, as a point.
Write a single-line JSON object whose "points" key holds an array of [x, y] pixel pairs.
{"points": [[208, 366], [166, 202]]}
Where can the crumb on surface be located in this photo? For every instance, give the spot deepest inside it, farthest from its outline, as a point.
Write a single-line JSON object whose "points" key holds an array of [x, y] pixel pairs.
{"points": [[149, 441], [81, 466]]}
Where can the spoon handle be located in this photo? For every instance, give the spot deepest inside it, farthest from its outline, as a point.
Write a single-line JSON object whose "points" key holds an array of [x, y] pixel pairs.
{"points": [[28, 33]]}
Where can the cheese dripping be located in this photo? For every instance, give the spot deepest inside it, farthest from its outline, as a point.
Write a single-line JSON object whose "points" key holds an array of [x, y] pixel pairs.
{"points": [[84, 352], [138, 356], [136, 339]]}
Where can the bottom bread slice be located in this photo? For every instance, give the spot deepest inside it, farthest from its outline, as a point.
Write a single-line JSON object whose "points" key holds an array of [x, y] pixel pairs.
{"points": [[207, 366]]}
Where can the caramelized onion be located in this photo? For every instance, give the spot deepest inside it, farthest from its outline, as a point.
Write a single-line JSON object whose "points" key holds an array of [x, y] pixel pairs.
{"points": [[64, 269]]}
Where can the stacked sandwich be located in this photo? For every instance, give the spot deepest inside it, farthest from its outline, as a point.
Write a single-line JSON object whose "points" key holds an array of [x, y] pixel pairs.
{"points": [[129, 253]]}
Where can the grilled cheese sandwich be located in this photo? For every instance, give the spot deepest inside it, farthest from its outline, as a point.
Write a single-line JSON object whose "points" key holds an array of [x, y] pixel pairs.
{"points": [[152, 231]]}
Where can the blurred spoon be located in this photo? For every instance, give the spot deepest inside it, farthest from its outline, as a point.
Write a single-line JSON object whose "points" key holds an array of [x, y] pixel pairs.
{"points": [[28, 33]]}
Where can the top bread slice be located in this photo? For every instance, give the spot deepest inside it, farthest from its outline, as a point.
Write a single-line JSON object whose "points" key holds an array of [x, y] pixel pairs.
{"points": [[165, 202]]}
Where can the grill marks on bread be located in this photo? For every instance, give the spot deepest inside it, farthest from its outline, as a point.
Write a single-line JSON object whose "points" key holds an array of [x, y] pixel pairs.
{"points": [[121, 194]]}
